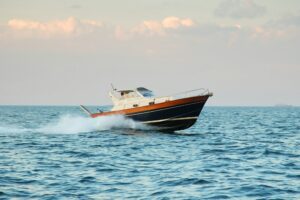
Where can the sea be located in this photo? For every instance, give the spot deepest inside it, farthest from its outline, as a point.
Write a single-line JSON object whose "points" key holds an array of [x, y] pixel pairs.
{"points": [[57, 152]]}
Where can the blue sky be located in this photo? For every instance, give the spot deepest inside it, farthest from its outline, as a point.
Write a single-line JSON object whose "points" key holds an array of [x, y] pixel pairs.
{"points": [[68, 52]]}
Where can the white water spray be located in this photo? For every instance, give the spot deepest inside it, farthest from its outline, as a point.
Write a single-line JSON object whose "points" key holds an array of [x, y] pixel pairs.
{"points": [[70, 124]]}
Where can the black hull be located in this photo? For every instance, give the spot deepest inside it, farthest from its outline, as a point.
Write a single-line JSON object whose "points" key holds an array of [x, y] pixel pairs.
{"points": [[172, 118]]}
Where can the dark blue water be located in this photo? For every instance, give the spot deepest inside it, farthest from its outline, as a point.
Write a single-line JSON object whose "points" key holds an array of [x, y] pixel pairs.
{"points": [[231, 153]]}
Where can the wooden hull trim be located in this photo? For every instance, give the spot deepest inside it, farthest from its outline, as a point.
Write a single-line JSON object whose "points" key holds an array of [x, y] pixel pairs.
{"points": [[167, 104]]}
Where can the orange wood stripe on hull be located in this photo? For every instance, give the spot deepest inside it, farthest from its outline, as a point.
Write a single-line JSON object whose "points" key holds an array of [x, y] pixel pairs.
{"points": [[154, 106]]}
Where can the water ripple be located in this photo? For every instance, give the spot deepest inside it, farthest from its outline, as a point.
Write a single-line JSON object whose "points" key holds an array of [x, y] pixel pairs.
{"points": [[230, 153]]}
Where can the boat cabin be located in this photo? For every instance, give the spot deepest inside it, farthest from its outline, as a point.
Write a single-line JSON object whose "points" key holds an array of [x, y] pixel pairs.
{"points": [[125, 99]]}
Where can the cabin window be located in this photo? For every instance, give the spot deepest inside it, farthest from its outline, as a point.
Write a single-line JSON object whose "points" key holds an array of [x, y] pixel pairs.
{"points": [[135, 105], [147, 94], [151, 103]]}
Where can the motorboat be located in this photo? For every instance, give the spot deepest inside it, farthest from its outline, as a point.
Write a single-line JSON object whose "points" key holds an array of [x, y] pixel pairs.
{"points": [[166, 113]]}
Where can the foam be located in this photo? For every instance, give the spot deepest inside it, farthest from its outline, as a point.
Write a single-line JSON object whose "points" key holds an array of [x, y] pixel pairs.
{"points": [[69, 124], [74, 124]]}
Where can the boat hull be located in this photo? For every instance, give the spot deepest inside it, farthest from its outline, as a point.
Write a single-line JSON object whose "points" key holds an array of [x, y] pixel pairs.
{"points": [[172, 118], [167, 116]]}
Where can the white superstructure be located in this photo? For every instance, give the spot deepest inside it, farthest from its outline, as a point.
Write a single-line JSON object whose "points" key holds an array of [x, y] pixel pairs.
{"points": [[124, 99]]}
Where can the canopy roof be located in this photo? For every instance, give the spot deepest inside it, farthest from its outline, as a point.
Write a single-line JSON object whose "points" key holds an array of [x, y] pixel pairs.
{"points": [[140, 91]]}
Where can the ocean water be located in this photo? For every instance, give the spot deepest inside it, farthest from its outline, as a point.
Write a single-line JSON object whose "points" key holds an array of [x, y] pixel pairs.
{"points": [[230, 153]]}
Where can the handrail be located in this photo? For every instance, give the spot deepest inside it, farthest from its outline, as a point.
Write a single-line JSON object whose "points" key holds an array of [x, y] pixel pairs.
{"points": [[188, 93]]}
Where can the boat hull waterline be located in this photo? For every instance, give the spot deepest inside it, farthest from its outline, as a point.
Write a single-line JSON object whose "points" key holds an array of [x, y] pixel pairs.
{"points": [[167, 116]]}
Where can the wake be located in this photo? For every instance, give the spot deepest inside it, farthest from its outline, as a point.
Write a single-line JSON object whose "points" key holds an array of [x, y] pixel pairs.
{"points": [[70, 124]]}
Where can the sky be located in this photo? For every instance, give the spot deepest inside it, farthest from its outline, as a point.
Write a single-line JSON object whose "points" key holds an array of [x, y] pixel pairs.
{"points": [[68, 52]]}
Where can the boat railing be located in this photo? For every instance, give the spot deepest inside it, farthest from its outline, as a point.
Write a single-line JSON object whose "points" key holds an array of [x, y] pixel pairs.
{"points": [[191, 93]]}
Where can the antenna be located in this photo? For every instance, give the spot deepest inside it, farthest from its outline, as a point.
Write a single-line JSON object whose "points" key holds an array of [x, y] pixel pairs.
{"points": [[112, 86]]}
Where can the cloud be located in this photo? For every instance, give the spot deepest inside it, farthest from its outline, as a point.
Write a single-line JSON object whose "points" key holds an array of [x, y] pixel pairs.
{"points": [[152, 27], [168, 27], [149, 27], [239, 9], [175, 22], [288, 26], [267, 32], [69, 26], [22, 28]]}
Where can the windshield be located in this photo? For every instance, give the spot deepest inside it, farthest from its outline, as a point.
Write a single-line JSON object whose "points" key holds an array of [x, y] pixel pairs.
{"points": [[145, 92]]}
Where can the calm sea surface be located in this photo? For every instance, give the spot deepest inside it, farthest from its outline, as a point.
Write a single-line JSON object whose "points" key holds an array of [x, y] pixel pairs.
{"points": [[230, 153]]}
